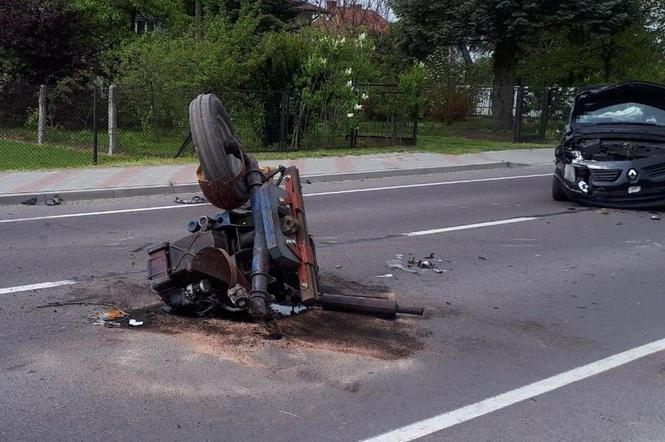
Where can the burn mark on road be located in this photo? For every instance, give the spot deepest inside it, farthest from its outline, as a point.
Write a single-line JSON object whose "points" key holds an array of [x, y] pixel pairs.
{"points": [[312, 330]]}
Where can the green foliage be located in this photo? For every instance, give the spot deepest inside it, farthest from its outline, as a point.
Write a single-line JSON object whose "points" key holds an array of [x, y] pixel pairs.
{"points": [[272, 15], [426, 25], [451, 91], [636, 53], [327, 85], [32, 121], [279, 58], [160, 73], [506, 28]]}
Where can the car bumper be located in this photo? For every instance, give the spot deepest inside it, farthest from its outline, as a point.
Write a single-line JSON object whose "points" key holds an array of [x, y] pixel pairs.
{"points": [[647, 191]]}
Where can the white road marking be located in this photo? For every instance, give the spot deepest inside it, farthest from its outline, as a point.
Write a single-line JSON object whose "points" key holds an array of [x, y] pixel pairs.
{"points": [[443, 421], [442, 183], [43, 285], [106, 212], [471, 226], [336, 192]]}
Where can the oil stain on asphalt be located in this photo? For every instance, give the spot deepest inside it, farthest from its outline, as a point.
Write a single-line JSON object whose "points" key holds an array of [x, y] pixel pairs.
{"points": [[237, 338]]}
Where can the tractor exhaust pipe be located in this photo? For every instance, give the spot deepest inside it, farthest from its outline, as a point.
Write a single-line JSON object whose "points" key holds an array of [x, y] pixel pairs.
{"points": [[385, 307]]}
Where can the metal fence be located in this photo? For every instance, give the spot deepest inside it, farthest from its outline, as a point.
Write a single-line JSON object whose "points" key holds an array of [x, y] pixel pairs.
{"points": [[70, 125], [530, 115]]}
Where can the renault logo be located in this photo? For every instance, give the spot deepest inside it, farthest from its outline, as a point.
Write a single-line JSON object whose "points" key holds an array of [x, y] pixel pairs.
{"points": [[632, 174]]}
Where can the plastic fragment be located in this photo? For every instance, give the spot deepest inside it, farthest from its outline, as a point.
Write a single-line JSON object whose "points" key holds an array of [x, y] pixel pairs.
{"points": [[135, 323]]}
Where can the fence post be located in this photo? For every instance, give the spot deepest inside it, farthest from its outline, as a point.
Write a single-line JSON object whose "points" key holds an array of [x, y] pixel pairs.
{"points": [[94, 125], [41, 125], [416, 115], [544, 113], [113, 121], [283, 119], [517, 132]]}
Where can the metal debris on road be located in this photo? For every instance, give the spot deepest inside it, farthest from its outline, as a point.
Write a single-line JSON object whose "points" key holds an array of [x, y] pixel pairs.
{"points": [[413, 264], [113, 314], [655, 217], [110, 324], [55, 201], [196, 199]]}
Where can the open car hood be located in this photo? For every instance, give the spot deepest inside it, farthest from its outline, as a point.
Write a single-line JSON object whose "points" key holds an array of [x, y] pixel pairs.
{"points": [[597, 97]]}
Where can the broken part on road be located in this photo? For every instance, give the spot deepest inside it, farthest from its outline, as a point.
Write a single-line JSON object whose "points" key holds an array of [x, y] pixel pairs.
{"points": [[258, 250]]}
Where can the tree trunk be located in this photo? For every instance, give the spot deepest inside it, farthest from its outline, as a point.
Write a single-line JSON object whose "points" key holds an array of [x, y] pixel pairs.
{"points": [[198, 18], [464, 50], [505, 62]]}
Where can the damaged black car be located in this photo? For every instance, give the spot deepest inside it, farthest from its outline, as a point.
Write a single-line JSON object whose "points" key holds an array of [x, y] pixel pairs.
{"points": [[613, 150]]}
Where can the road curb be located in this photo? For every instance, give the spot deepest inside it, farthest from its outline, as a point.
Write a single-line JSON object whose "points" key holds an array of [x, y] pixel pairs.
{"points": [[124, 192]]}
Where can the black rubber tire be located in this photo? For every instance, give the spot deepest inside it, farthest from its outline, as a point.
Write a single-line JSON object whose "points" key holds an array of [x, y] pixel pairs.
{"points": [[558, 194], [211, 127]]}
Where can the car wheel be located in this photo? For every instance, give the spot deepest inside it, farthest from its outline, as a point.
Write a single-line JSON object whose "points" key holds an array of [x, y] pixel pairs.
{"points": [[558, 194]]}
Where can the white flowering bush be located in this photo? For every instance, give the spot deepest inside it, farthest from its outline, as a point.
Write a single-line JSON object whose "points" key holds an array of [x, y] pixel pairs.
{"points": [[330, 105]]}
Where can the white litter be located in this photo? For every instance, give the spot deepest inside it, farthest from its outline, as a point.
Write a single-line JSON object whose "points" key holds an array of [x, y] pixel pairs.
{"points": [[135, 323]]}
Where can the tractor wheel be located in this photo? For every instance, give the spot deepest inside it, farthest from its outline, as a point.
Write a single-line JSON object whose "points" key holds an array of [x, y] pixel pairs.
{"points": [[211, 128]]}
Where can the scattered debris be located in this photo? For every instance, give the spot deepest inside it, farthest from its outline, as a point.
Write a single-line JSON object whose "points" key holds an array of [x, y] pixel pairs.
{"points": [[338, 267], [413, 264], [55, 201], [196, 199], [397, 264], [135, 323], [603, 211], [290, 414], [655, 217], [287, 310], [30, 202], [113, 314], [110, 324], [387, 275], [483, 258]]}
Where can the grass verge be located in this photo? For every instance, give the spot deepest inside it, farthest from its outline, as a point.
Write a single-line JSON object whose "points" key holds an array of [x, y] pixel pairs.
{"points": [[69, 149]]}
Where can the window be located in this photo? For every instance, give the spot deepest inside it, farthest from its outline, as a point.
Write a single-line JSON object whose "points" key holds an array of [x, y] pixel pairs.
{"points": [[627, 113]]}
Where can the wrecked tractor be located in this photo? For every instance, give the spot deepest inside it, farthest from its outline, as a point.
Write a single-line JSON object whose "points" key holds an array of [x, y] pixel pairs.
{"points": [[255, 253]]}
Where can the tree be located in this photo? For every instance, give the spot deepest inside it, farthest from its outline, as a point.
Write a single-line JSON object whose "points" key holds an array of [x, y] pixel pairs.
{"points": [[273, 14], [44, 41], [506, 28]]}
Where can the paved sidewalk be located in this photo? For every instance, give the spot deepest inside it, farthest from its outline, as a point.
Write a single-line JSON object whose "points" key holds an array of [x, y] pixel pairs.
{"points": [[112, 182]]}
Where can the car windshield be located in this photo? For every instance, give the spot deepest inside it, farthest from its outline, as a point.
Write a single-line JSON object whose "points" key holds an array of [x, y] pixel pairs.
{"points": [[631, 113]]}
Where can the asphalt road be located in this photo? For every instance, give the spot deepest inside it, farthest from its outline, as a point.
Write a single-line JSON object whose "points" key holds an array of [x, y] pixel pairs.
{"points": [[520, 301]]}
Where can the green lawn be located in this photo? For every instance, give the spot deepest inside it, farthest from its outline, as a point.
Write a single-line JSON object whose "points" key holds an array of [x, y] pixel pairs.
{"points": [[18, 149]]}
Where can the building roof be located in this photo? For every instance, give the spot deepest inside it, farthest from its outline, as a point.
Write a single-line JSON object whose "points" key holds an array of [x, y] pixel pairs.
{"points": [[354, 16]]}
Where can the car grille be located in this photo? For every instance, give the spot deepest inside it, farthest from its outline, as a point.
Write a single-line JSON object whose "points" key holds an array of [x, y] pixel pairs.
{"points": [[656, 170], [605, 175]]}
